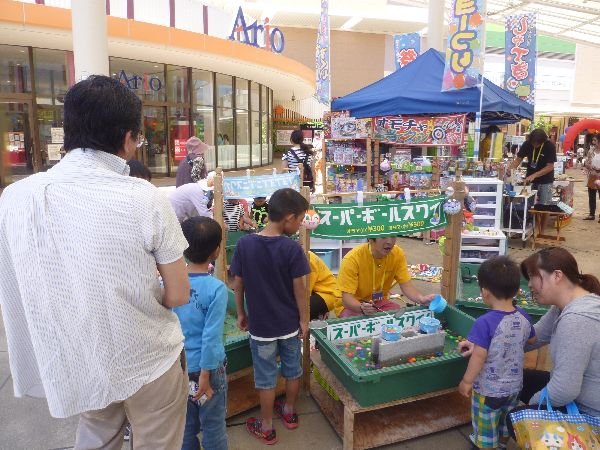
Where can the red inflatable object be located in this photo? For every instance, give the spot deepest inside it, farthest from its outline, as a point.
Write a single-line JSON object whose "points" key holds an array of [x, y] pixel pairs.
{"points": [[575, 129]]}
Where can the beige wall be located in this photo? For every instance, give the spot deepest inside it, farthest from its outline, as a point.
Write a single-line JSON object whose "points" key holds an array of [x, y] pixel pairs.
{"points": [[357, 59], [586, 88]]}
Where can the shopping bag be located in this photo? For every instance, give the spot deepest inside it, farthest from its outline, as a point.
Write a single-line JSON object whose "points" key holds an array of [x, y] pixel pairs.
{"points": [[538, 429]]}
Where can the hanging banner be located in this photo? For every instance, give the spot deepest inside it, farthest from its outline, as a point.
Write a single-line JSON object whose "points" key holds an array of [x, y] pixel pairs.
{"points": [[259, 186], [393, 218], [323, 72], [464, 55], [425, 131], [520, 53], [407, 47]]}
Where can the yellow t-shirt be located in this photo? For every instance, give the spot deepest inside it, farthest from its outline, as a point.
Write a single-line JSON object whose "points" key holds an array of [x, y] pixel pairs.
{"points": [[358, 268], [322, 281]]}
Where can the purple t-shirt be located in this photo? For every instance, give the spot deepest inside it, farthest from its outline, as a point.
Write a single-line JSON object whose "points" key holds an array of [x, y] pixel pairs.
{"points": [[503, 335], [269, 265]]}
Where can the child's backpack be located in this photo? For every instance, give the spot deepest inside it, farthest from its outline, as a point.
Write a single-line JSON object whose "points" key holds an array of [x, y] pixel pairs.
{"points": [[308, 178]]}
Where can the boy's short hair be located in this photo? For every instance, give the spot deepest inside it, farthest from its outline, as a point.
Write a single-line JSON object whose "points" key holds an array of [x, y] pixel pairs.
{"points": [[501, 276], [284, 202], [203, 235]]}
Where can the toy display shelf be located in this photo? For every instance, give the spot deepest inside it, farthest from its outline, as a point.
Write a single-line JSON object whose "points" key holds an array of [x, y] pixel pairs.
{"points": [[487, 192], [393, 383], [478, 246], [365, 168]]}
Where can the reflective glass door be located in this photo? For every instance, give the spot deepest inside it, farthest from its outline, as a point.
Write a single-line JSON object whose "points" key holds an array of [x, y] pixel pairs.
{"points": [[155, 150], [17, 141]]}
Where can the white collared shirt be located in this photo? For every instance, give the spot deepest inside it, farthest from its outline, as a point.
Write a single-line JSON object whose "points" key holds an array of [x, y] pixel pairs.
{"points": [[80, 297]]}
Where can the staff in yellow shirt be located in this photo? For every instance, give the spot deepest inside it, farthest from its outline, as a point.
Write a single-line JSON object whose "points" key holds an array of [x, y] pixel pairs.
{"points": [[366, 276], [323, 288]]}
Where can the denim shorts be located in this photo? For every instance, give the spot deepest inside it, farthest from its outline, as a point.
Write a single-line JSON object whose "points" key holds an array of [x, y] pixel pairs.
{"points": [[264, 360], [544, 193]]}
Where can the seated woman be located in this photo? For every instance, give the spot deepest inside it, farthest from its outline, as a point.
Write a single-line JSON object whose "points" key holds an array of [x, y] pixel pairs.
{"points": [[323, 288], [366, 276]]}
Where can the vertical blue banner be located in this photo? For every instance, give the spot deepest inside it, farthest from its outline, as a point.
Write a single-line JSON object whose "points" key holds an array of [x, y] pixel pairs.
{"points": [[520, 56], [322, 67], [465, 52], [407, 48]]}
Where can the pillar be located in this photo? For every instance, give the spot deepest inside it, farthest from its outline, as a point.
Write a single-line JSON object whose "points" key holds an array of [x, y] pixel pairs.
{"points": [[90, 39], [435, 27]]}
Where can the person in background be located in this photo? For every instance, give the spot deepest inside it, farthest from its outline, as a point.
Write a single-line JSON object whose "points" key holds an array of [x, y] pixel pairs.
{"points": [[226, 140], [269, 270], [87, 324], [485, 147], [137, 169], [300, 155], [259, 211], [494, 376], [592, 166], [323, 288], [235, 216], [193, 168], [366, 276], [193, 199], [202, 321]]}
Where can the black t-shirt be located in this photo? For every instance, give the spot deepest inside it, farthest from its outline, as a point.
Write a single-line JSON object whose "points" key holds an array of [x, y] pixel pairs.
{"points": [[538, 159]]}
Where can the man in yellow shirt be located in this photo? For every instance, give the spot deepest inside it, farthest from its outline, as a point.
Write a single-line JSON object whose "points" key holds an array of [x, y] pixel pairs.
{"points": [[323, 288], [366, 277]]}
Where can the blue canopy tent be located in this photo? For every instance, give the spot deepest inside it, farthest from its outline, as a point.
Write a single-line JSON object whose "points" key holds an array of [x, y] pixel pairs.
{"points": [[416, 90]]}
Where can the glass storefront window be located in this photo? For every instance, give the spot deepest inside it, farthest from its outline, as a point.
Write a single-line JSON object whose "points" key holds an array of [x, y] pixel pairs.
{"points": [[146, 79], [15, 73], [241, 93], [256, 147], [204, 129], [265, 139], [225, 135], [154, 151], [179, 132], [50, 117], [17, 142], [242, 133], [202, 87], [51, 78], [255, 96], [177, 84], [263, 99], [224, 91]]}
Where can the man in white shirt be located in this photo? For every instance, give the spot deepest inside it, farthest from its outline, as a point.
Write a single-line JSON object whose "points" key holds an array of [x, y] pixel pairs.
{"points": [[87, 324], [193, 199]]}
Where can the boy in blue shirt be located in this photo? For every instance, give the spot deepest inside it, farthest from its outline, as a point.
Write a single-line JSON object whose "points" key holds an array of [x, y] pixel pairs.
{"points": [[269, 268], [202, 321], [494, 376]]}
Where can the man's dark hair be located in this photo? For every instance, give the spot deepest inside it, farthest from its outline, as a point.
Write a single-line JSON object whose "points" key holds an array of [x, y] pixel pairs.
{"points": [[203, 235], [99, 111], [538, 136], [501, 276], [139, 170], [284, 202]]}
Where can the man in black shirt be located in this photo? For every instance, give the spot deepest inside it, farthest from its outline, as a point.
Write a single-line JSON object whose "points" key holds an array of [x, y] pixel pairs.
{"points": [[541, 156]]}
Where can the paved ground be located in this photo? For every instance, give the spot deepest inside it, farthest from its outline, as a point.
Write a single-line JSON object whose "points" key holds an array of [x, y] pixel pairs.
{"points": [[26, 424]]}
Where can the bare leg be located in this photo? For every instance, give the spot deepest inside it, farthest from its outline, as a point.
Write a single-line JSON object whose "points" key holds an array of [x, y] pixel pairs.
{"points": [[292, 387], [267, 400]]}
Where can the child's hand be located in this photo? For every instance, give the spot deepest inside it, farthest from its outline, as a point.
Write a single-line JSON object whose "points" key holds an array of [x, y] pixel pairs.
{"points": [[242, 322], [466, 348], [204, 386], [465, 388]]}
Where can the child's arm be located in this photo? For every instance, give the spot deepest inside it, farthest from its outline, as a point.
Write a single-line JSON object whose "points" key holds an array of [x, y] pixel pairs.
{"points": [[476, 363], [301, 300], [212, 340], [238, 288]]}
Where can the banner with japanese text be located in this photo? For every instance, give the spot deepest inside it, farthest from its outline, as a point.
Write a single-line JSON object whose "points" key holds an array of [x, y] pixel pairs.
{"points": [[323, 70], [259, 186], [407, 47], [389, 218], [520, 54], [464, 54], [425, 131]]}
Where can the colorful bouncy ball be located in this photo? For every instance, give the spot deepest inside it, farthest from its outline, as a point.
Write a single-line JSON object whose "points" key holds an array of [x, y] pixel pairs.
{"points": [[452, 206]]}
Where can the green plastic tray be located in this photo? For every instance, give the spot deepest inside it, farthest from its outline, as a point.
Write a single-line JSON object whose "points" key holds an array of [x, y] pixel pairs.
{"points": [[477, 309], [404, 380], [237, 349]]}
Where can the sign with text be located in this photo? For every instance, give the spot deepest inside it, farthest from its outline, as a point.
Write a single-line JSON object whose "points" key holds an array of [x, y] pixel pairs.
{"points": [[263, 36], [390, 218], [426, 131], [407, 47], [464, 55], [372, 325], [520, 56], [57, 135], [259, 186]]}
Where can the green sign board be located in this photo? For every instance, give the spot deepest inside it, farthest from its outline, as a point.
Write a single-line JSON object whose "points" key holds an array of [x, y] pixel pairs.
{"points": [[390, 218]]}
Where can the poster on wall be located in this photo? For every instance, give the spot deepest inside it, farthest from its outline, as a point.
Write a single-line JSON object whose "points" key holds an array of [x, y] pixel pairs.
{"points": [[350, 128], [180, 150], [283, 137], [407, 48], [54, 152], [464, 55], [420, 131], [520, 56], [57, 135]]}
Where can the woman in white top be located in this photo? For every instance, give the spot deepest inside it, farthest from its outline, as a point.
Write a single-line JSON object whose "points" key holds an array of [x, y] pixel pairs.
{"points": [[300, 155], [592, 166]]}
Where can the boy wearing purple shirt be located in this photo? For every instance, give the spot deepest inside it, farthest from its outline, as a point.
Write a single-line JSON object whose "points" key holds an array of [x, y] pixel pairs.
{"points": [[494, 376], [269, 268]]}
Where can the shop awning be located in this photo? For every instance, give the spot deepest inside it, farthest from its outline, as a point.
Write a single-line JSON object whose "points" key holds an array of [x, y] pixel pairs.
{"points": [[416, 89]]}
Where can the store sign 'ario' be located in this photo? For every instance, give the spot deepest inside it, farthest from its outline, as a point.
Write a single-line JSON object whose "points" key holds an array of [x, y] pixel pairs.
{"points": [[135, 82], [272, 37]]}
